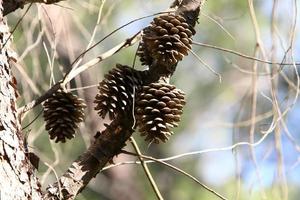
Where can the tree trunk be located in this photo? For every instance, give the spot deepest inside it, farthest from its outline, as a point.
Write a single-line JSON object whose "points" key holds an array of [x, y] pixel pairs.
{"points": [[17, 179]]}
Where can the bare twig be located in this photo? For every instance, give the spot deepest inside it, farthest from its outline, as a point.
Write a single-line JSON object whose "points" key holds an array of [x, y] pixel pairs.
{"points": [[180, 171], [80, 57], [27, 78], [206, 65], [32, 46], [39, 100], [253, 114], [76, 71], [76, 62], [200, 152], [83, 88], [32, 121], [146, 169], [16, 26], [220, 25], [242, 55], [194, 54]]}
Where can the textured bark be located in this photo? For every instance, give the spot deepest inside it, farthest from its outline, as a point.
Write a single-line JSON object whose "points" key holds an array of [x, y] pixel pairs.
{"points": [[107, 145], [17, 179]]}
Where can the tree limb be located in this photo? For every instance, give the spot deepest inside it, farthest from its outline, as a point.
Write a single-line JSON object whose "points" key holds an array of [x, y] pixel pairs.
{"points": [[107, 144]]}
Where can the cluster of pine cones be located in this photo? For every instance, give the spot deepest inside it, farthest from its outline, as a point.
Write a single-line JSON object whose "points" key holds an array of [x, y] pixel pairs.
{"points": [[156, 106]]}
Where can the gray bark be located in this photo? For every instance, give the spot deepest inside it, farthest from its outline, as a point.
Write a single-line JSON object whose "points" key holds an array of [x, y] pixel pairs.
{"points": [[17, 179]]}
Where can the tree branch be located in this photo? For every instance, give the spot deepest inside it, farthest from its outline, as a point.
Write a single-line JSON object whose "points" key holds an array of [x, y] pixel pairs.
{"points": [[107, 145], [12, 5]]}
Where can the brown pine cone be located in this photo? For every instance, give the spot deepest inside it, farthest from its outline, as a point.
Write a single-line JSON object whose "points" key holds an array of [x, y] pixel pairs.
{"points": [[166, 41], [116, 91], [158, 109], [62, 113]]}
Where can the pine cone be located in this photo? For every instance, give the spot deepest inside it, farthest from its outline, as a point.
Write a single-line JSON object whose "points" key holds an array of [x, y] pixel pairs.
{"points": [[116, 91], [158, 108], [167, 40], [62, 113]]}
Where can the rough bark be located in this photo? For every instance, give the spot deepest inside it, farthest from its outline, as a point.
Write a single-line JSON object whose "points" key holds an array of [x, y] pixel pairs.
{"points": [[107, 144], [17, 178]]}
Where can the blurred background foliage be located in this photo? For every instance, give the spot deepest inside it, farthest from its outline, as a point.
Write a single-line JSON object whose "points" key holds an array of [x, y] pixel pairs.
{"points": [[248, 105]]}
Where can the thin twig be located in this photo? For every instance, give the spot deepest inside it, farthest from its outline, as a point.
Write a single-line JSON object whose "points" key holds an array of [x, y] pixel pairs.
{"points": [[146, 169], [242, 55], [73, 73], [180, 171], [50, 168], [220, 25], [252, 127], [39, 100], [198, 58], [52, 78], [83, 88], [26, 77], [76, 61], [88, 48], [207, 66], [17, 24], [32, 121], [32, 46], [212, 150]]}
